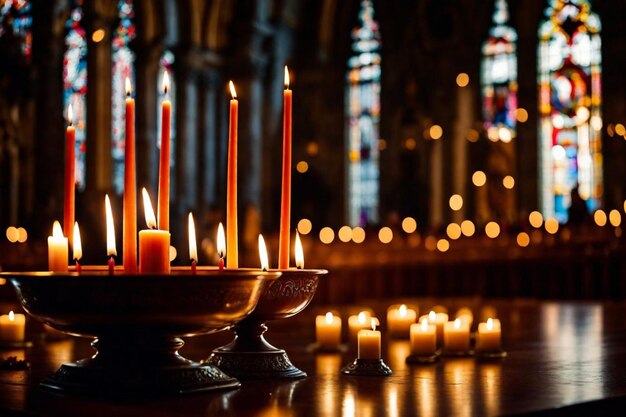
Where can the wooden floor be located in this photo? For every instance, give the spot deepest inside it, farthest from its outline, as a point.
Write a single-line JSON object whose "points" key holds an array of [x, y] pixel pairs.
{"points": [[560, 355]]}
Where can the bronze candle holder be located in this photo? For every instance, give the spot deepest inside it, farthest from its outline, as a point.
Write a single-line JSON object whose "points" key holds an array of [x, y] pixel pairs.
{"points": [[137, 321], [249, 355]]}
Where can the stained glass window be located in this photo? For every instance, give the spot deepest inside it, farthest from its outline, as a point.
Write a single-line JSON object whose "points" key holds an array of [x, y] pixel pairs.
{"points": [[75, 82], [363, 118], [569, 78], [123, 67], [499, 77], [16, 15], [166, 63]]}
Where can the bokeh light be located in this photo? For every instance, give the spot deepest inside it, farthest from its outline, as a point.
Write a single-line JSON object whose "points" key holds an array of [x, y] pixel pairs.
{"points": [[443, 245], [535, 219], [305, 226], [492, 230], [462, 80], [453, 231], [552, 225], [508, 182], [327, 235], [521, 115], [385, 235], [409, 225], [467, 228], [615, 218], [600, 217], [358, 234], [22, 235], [456, 202], [479, 178], [435, 132], [302, 167], [345, 234], [523, 239], [12, 234]]}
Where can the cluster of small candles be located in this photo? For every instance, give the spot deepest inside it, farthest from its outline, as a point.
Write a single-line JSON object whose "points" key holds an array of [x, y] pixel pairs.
{"points": [[153, 243], [426, 334]]}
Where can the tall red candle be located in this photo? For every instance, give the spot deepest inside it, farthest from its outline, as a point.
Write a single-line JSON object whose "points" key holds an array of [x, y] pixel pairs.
{"points": [[130, 188], [285, 201], [70, 172], [232, 255], [163, 207]]}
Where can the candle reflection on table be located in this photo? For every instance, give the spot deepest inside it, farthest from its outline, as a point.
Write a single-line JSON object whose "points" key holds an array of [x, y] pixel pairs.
{"points": [[397, 352], [328, 396], [425, 384], [458, 378], [490, 385]]}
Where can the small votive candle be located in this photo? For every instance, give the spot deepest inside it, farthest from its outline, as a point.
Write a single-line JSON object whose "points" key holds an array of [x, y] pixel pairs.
{"points": [[456, 336], [12, 327], [328, 331], [58, 250], [359, 322], [489, 336], [439, 319], [423, 337], [399, 320], [465, 315], [369, 343]]}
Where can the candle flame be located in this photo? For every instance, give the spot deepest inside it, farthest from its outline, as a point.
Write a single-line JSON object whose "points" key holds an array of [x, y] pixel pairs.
{"points": [[193, 246], [111, 250], [432, 316], [373, 324], [402, 310], [424, 325], [57, 230], [221, 240], [166, 82], [233, 93], [489, 323], [286, 78], [329, 318], [147, 209], [299, 252], [265, 263], [127, 87], [78, 246], [11, 316], [361, 317], [70, 114], [457, 323]]}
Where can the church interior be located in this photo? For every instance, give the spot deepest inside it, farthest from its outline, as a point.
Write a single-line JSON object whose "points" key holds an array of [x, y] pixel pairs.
{"points": [[461, 158]]}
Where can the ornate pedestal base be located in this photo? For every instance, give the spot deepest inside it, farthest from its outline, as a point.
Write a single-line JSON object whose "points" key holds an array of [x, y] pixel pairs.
{"points": [[367, 367], [250, 356], [131, 368]]}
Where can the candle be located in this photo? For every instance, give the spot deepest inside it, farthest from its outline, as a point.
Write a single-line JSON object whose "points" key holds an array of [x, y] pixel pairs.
{"points": [[232, 256], [70, 181], [456, 336], [285, 201], [399, 320], [129, 219], [193, 246], [423, 338], [465, 315], [163, 207], [265, 262], [111, 247], [369, 343], [439, 319], [489, 336], [13, 326], [358, 322], [57, 249], [221, 244], [78, 247], [154, 245], [299, 252], [328, 331]]}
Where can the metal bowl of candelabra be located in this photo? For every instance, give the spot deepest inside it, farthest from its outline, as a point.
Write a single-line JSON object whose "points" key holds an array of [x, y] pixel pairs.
{"points": [[249, 355], [137, 322]]}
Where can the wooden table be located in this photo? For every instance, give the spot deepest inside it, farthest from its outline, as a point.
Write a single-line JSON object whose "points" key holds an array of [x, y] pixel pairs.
{"points": [[560, 355]]}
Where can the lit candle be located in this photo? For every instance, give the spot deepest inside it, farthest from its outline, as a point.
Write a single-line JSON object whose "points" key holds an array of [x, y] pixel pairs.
{"points": [[489, 336], [78, 248], [129, 219], [70, 180], [193, 246], [154, 245], [328, 331], [358, 322], [399, 320], [221, 245], [456, 336], [163, 205], [232, 256], [57, 249], [299, 252], [423, 338], [369, 343], [285, 201], [13, 326], [439, 319], [265, 262], [111, 247]]}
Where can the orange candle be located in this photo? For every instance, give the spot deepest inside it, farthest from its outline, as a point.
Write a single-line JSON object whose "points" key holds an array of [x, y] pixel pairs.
{"points": [[285, 201], [130, 189], [154, 245], [232, 256], [70, 172], [57, 250], [163, 206]]}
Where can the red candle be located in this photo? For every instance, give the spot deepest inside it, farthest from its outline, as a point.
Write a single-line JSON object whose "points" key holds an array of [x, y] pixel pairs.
{"points": [[70, 172], [163, 208], [232, 256], [130, 189], [285, 201], [111, 247]]}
